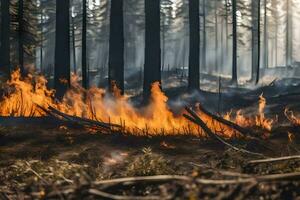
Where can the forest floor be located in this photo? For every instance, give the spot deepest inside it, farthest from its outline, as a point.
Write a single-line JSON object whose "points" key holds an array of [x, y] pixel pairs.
{"points": [[43, 162]]}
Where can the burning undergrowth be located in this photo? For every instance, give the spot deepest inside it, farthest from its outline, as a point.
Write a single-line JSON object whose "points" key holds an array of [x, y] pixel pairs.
{"points": [[25, 96]]}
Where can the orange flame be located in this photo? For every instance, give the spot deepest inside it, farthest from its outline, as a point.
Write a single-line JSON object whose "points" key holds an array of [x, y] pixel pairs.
{"points": [[291, 117], [259, 121], [23, 95]]}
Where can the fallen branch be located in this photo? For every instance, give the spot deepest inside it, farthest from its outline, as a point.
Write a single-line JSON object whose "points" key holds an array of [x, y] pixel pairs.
{"points": [[165, 178], [78, 120], [84, 120], [243, 131], [197, 120], [221, 172], [268, 160], [121, 197], [159, 178]]}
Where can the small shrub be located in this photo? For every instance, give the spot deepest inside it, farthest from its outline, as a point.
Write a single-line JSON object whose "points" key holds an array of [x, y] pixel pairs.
{"points": [[148, 164]]}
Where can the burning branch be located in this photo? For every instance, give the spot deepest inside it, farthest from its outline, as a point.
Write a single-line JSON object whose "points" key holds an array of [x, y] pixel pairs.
{"points": [[241, 130], [197, 120], [108, 127]]}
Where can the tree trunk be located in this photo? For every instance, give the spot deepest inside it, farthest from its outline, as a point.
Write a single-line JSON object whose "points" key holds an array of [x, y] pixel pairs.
{"points": [[85, 79], [222, 47], [226, 29], [62, 48], [5, 39], [41, 45], [266, 37], [234, 43], [288, 55], [194, 60], [152, 65], [74, 46], [255, 40], [116, 46], [276, 40], [216, 37], [163, 44], [21, 35], [203, 65]]}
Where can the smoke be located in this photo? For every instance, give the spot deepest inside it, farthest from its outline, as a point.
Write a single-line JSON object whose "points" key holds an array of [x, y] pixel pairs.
{"points": [[175, 38]]}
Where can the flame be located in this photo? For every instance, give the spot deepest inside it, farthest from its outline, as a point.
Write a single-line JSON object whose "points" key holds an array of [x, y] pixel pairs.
{"points": [[291, 117], [259, 121], [291, 137], [22, 95]]}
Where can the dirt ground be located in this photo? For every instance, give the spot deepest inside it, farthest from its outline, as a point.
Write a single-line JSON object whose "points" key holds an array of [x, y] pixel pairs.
{"points": [[43, 162]]}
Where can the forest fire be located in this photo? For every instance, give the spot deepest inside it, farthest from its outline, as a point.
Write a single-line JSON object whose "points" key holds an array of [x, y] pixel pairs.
{"points": [[259, 120], [23, 96]]}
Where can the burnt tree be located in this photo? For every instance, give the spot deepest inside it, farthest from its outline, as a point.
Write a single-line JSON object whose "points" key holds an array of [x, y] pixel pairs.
{"points": [[21, 35], [62, 48], [73, 45], [203, 54], [116, 46], [234, 42], [266, 35], [194, 59], [5, 38], [83, 52], [289, 35], [152, 64], [255, 9]]}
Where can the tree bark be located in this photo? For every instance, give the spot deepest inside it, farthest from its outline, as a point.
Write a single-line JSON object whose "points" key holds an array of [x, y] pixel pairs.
{"points": [[255, 40], [234, 42], [216, 37], [163, 43], [152, 65], [85, 79], [21, 35], [5, 38], [116, 46], [276, 39], [74, 46], [62, 48], [226, 29], [203, 65], [266, 37], [194, 59], [41, 45], [288, 55]]}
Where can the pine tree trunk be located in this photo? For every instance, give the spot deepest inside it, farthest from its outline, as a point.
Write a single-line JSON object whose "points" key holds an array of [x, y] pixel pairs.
{"points": [[85, 79], [152, 65], [194, 60], [41, 45], [226, 29], [5, 39], [203, 65], [216, 37], [116, 46], [21, 35], [62, 48], [222, 47], [163, 44], [276, 40], [234, 42], [266, 37], [74, 46], [255, 40], [288, 34]]}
